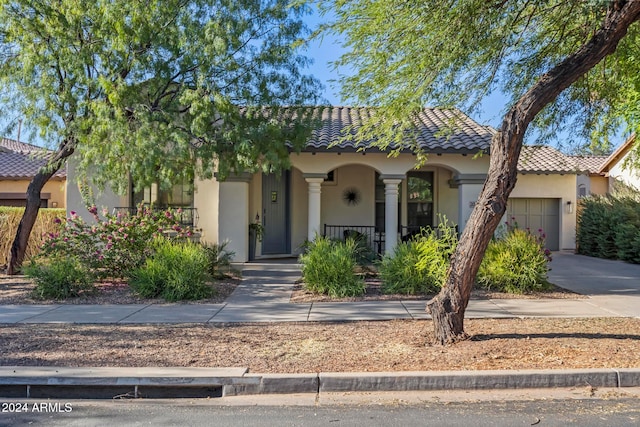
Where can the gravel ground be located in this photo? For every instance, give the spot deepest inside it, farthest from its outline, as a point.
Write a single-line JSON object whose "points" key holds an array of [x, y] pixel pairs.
{"points": [[400, 345]]}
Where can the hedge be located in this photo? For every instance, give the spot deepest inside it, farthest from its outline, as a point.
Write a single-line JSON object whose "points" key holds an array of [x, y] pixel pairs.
{"points": [[609, 227], [9, 220]]}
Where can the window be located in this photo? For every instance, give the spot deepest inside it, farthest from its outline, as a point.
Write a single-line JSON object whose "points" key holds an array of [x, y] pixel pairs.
{"points": [[420, 199], [180, 195]]}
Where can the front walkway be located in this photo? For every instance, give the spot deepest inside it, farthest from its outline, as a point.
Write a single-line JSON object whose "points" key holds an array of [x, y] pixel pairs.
{"points": [[263, 296]]}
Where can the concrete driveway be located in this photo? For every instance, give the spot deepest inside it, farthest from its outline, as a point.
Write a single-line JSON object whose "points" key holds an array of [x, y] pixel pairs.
{"points": [[611, 285]]}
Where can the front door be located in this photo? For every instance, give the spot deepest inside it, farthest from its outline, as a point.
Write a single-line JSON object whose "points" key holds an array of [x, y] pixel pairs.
{"points": [[275, 214]]}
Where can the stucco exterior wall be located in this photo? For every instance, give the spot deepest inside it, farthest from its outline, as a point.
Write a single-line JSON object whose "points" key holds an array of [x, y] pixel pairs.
{"points": [[103, 198], [628, 175], [206, 200], [336, 211], [553, 186], [56, 188]]}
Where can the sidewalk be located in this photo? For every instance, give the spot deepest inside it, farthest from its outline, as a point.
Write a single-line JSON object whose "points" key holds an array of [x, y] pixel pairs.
{"points": [[263, 296]]}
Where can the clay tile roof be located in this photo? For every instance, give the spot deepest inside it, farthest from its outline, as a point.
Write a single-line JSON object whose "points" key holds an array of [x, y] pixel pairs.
{"points": [[19, 147], [466, 135], [19, 160], [542, 159], [590, 164]]}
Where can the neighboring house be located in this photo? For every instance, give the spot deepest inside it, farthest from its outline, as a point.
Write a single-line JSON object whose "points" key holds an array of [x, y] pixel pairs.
{"points": [[590, 180], [619, 166], [336, 188], [19, 162]]}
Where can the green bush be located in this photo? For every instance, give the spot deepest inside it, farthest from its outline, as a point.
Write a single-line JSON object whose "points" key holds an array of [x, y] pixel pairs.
{"points": [[219, 259], [60, 278], [415, 267], [608, 227], [328, 267], [420, 265], [516, 263], [175, 271]]}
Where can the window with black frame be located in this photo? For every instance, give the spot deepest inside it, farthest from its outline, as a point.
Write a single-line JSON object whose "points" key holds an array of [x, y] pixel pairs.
{"points": [[420, 199]]}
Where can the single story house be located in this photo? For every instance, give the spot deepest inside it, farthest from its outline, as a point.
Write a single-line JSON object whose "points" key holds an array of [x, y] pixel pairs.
{"points": [[19, 162], [335, 188]]}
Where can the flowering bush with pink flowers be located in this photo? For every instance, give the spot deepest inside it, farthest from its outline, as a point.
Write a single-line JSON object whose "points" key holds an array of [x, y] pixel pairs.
{"points": [[116, 243]]}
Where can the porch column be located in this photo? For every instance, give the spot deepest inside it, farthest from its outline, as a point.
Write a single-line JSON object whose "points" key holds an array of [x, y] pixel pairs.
{"points": [[233, 215], [314, 182], [391, 183], [469, 188]]}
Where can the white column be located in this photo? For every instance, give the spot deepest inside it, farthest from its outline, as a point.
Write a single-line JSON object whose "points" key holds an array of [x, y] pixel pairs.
{"points": [[469, 188], [314, 182], [390, 211]]}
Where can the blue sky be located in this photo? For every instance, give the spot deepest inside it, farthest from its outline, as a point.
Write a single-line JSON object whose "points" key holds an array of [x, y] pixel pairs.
{"points": [[329, 49]]}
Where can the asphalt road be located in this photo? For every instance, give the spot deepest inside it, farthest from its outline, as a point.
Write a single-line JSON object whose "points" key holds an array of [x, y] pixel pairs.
{"points": [[367, 411]]}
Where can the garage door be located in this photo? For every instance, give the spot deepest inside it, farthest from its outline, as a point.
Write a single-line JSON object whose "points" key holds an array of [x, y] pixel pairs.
{"points": [[538, 214]]}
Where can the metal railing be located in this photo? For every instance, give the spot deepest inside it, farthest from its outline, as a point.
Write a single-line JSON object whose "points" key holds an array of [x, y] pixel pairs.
{"points": [[407, 232], [187, 217], [366, 234]]}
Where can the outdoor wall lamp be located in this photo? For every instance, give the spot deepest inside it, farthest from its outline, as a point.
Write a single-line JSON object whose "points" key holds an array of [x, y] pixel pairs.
{"points": [[569, 207]]}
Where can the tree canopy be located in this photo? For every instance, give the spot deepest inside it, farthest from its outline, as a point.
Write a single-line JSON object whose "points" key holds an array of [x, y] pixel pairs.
{"points": [[563, 63], [144, 88], [453, 53], [154, 90]]}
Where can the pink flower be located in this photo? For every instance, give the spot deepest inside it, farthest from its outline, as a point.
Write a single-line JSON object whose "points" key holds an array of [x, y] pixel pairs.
{"points": [[93, 210], [57, 220]]}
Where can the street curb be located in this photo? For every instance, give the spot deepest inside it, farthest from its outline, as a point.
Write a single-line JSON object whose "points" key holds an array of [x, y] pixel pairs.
{"points": [[103, 383]]}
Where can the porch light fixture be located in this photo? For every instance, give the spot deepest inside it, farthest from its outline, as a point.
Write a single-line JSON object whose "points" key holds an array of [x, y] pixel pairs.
{"points": [[569, 207]]}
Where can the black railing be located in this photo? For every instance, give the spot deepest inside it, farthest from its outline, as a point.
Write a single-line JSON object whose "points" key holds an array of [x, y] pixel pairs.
{"points": [[407, 232], [187, 217], [366, 234]]}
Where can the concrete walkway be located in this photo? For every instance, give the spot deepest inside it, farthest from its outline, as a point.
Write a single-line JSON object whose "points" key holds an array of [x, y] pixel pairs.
{"points": [[612, 287]]}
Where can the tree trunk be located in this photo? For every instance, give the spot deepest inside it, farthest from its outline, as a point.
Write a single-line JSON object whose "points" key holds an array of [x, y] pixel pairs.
{"points": [[19, 245], [448, 307]]}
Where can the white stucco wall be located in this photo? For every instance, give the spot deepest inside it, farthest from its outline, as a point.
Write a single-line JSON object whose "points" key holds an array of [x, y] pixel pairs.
{"points": [[103, 198], [553, 186], [206, 201], [625, 173], [336, 211]]}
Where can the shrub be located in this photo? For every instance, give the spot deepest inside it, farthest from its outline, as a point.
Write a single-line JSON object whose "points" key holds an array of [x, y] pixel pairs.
{"points": [[60, 278], [420, 265], [516, 263], [414, 267], [218, 259], [176, 271], [328, 268], [608, 227], [117, 243], [47, 222]]}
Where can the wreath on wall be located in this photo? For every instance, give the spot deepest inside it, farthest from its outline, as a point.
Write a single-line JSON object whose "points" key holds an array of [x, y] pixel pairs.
{"points": [[351, 196]]}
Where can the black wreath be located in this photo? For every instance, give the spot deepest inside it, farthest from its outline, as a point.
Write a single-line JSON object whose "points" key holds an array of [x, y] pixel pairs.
{"points": [[351, 196]]}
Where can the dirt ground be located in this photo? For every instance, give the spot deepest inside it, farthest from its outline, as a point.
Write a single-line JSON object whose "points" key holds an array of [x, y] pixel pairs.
{"points": [[401, 345]]}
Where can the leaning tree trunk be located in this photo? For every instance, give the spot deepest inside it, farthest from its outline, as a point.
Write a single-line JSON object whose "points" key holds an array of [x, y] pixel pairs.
{"points": [[448, 307], [19, 245]]}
